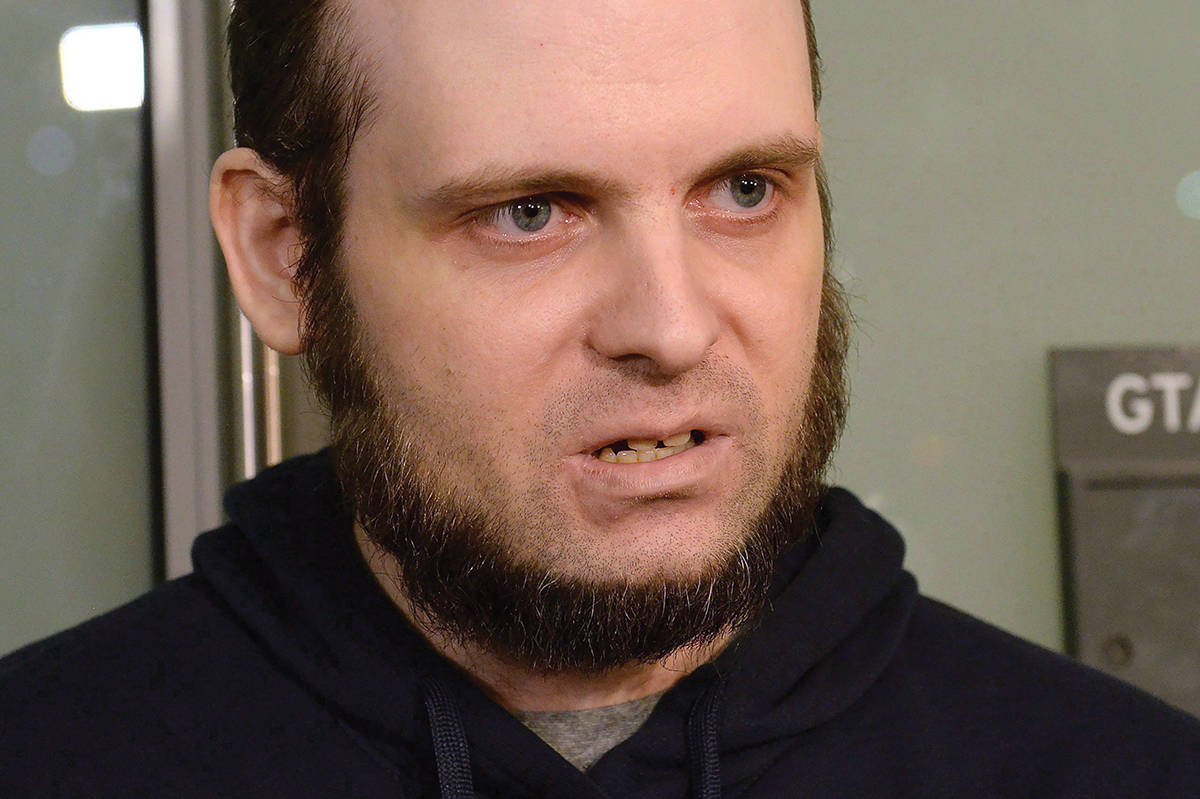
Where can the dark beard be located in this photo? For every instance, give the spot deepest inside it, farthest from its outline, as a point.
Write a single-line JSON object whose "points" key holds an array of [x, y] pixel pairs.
{"points": [[462, 580]]}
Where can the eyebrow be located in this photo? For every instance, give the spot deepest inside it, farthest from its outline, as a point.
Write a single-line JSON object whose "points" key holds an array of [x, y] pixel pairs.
{"points": [[494, 183], [789, 153], [491, 184]]}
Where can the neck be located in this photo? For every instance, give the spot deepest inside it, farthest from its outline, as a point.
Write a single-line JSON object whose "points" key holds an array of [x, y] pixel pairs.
{"points": [[516, 687]]}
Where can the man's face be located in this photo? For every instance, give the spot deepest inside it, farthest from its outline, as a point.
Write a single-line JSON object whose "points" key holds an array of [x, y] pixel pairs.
{"points": [[576, 224]]}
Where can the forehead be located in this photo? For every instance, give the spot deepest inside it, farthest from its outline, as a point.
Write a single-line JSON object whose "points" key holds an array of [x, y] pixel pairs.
{"points": [[614, 85]]}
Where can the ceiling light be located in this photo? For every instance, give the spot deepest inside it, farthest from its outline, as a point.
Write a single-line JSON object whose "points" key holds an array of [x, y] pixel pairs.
{"points": [[103, 66]]}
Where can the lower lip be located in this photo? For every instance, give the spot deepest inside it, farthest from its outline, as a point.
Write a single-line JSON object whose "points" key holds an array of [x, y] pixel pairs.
{"points": [[691, 470]]}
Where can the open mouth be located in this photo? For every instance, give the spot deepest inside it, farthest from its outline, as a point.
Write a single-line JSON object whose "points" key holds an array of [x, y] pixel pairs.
{"points": [[644, 450]]}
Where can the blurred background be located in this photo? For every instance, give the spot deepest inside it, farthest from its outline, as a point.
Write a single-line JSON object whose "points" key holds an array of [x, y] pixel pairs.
{"points": [[1006, 181]]}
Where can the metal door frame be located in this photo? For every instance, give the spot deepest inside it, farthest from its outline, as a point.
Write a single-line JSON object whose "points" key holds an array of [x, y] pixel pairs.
{"points": [[190, 305]]}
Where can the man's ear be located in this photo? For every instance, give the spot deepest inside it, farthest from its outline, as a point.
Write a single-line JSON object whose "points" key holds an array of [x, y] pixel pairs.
{"points": [[252, 216]]}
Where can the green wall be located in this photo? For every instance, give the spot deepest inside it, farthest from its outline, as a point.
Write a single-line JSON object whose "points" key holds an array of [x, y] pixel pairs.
{"points": [[1005, 181]]}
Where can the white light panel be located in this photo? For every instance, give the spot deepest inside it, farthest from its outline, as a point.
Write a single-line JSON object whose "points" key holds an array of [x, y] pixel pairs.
{"points": [[103, 66]]}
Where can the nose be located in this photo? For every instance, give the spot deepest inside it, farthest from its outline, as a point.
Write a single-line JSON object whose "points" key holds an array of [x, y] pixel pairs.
{"points": [[653, 305]]}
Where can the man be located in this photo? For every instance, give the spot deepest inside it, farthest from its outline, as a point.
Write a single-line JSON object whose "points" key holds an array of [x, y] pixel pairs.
{"points": [[560, 272]]}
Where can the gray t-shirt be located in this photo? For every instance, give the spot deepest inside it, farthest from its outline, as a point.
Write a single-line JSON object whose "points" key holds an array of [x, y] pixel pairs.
{"points": [[583, 736]]}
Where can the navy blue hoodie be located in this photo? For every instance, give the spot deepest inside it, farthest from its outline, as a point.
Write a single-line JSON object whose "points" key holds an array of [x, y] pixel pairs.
{"points": [[280, 669]]}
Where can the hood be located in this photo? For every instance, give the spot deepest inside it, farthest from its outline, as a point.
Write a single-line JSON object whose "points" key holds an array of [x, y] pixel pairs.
{"points": [[287, 567]]}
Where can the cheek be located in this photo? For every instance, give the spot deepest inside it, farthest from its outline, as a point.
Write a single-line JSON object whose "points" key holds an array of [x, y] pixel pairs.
{"points": [[794, 325], [477, 349], [773, 312]]}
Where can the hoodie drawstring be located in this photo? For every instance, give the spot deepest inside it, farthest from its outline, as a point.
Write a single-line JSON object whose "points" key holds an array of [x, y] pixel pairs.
{"points": [[704, 751], [449, 741]]}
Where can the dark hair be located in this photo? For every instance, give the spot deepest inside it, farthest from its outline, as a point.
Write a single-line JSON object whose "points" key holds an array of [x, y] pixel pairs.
{"points": [[301, 92]]}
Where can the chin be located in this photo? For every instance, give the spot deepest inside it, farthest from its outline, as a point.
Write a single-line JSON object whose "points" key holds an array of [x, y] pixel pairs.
{"points": [[648, 551]]}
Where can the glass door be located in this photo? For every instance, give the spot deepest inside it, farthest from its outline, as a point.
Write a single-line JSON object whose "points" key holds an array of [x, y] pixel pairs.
{"points": [[78, 483]]}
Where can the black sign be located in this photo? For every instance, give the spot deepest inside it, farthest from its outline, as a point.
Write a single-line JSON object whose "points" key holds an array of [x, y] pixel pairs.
{"points": [[1126, 404], [1127, 434]]}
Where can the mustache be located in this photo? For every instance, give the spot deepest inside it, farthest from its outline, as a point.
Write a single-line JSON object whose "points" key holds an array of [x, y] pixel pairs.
{"points": [[716, 386]]}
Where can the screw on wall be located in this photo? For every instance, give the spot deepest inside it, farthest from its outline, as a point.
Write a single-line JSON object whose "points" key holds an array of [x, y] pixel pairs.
{"points": [[1118, 651]]}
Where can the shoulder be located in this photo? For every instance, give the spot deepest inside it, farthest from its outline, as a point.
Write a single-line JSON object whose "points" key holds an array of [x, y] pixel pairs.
{"points": [[1025, 709], [126, 666], [967, 652], [139, 697], [162, 625]]}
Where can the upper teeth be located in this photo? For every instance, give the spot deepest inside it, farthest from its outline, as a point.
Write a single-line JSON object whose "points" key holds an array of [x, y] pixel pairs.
{"points": [[679, 439], [642, 450]]}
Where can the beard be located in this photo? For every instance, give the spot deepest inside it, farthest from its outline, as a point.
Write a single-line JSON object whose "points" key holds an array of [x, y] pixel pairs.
{"points": [[454, 554]]}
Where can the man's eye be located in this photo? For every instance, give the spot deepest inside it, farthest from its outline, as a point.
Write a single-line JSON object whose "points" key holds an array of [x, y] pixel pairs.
{"points": [[530, 215], [742, 193], [748, 191], [521, 217]]}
